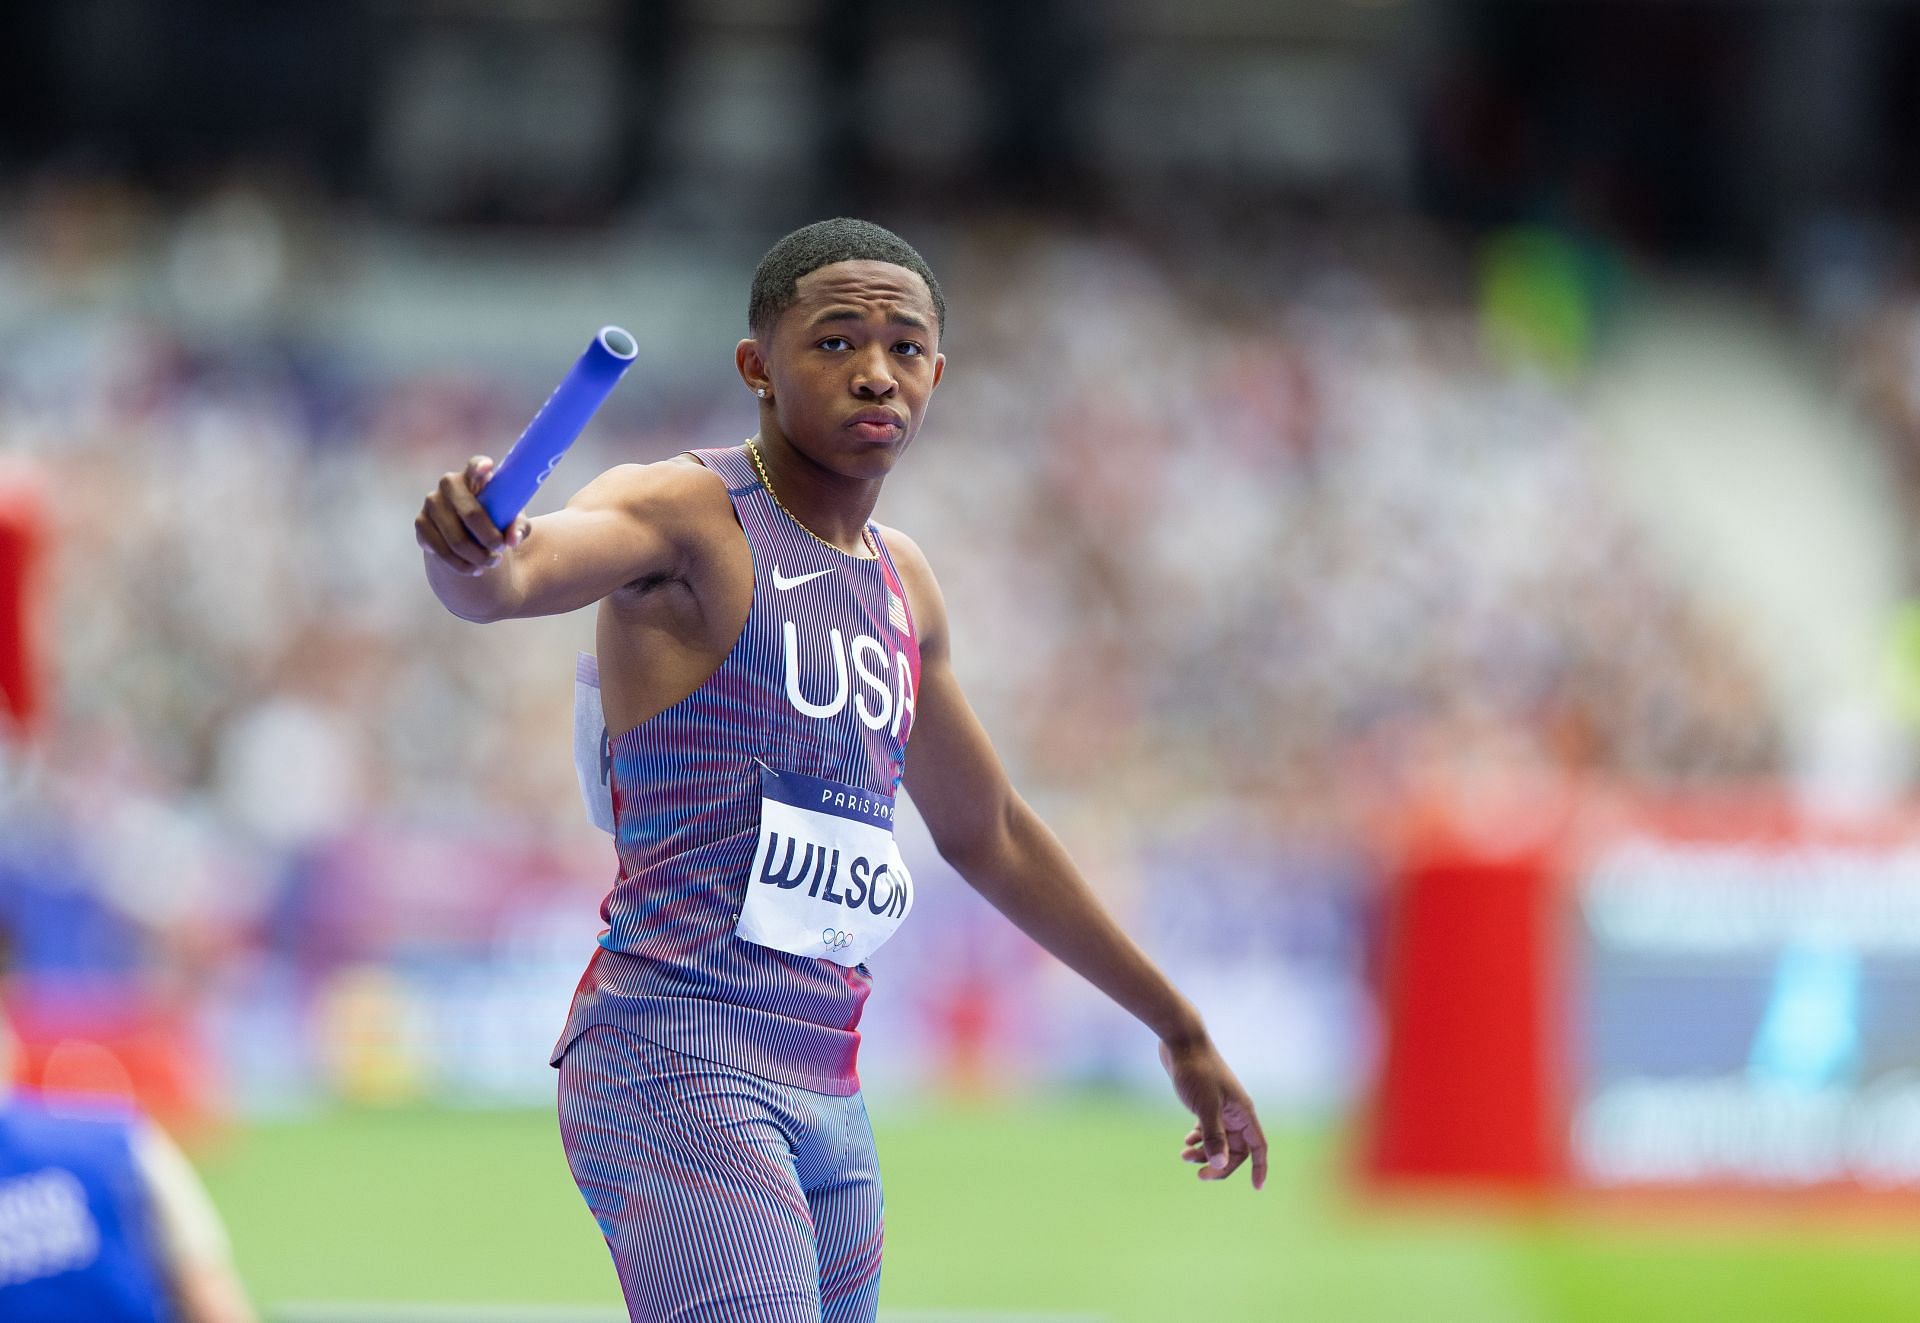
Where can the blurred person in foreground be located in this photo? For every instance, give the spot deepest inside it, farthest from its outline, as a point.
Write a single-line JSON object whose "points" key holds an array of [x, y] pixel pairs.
{"points": [[102, 1219], [764, 652]]}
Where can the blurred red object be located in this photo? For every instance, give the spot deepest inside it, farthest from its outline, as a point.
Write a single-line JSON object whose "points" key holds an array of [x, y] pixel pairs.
{"points": [[1683, 998], [106, 1043], [1471, 1069], [23, 545]]}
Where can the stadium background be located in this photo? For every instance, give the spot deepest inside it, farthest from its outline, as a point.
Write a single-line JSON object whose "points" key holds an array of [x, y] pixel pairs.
{"points": [[1383, 441]]}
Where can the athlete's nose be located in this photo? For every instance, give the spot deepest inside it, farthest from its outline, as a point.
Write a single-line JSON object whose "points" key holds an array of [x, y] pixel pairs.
{"points": [[873, 377]]}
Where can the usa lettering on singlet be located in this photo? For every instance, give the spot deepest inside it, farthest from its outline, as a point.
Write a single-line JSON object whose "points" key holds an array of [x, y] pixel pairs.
{"points": [[753, 820]]}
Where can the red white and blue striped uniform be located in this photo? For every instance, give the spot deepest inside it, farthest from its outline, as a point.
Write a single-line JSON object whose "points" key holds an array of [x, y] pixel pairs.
{"points": [[723, 1196], [709, 1098], [686, 800]]}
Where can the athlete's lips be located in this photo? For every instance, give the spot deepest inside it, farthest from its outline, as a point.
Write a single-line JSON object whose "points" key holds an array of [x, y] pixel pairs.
{"points": [[877, 424]]}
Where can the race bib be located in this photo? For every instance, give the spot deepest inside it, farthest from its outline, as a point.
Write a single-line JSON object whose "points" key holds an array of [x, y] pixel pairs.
{"points": [[592, 752], [827, 879]]}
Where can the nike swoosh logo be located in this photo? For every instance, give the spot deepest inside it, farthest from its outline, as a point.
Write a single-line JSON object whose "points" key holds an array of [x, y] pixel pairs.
{"points": [[782, 582]]}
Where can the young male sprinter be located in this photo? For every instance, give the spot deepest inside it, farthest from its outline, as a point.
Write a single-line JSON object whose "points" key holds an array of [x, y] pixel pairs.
{"points": [[764, 652]]}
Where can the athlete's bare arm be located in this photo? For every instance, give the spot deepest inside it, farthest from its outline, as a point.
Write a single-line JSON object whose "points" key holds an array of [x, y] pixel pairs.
{"points": [[657, 545], [1005, 852], [633, 523]]}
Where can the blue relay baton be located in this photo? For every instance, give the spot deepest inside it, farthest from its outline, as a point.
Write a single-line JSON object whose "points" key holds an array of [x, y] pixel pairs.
{"points": [[560, 420]]}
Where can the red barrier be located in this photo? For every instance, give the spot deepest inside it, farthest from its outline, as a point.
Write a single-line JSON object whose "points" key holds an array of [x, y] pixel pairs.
{"points": [[1466, 1089], [1671, 996]]}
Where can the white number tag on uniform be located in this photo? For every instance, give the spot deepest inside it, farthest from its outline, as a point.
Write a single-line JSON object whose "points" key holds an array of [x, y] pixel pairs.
{"points": [[592, 754], [827, 879]]}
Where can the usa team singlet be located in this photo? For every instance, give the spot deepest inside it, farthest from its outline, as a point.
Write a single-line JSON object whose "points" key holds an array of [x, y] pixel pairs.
{"points": [[753, 820]]}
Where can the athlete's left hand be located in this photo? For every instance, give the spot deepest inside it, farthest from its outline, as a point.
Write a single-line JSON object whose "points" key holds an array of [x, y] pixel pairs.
{"points": [[1228, 1132]]}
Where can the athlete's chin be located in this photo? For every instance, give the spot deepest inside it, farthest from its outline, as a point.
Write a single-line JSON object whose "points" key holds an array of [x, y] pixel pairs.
{"points": [[870, 458]]}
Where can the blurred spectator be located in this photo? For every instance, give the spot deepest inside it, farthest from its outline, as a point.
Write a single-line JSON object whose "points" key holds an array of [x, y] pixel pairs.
{"points": [[102, 1218]]}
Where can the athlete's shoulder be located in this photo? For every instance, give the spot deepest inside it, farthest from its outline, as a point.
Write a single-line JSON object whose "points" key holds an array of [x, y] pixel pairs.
{"points": [[682, 478], [677, 492], [923, 590], [905, 551]]}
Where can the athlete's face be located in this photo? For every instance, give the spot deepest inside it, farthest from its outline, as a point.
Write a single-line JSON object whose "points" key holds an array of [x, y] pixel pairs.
{"points": [[851, 365]]}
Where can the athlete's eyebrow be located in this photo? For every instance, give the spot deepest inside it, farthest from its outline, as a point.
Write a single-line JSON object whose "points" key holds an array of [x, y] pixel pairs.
{"points": [[895, 317]]}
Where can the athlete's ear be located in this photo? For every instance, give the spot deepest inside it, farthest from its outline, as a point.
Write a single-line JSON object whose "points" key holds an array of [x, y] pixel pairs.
{"points": [[752, 367], [939, 369]]}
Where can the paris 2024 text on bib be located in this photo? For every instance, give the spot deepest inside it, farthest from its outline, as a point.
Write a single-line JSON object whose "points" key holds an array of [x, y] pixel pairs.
{"points": [[826, 878]]}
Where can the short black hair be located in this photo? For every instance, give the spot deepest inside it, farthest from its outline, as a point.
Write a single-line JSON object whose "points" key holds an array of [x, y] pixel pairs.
{"points": [[807, 249]]}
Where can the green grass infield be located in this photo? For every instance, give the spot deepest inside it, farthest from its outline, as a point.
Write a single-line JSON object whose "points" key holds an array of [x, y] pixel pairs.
{"points": [[1067, 1207]]}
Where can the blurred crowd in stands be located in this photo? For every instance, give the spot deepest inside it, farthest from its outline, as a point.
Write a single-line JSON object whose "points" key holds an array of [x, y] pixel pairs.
{"points": [[1239, 521]]}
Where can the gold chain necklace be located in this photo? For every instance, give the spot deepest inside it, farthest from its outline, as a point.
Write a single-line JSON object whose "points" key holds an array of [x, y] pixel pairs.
{"points": [[759, 466]]}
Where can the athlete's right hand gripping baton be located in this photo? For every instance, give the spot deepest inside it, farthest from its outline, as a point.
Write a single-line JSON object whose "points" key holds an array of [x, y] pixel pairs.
{"points": [[558, 423]]}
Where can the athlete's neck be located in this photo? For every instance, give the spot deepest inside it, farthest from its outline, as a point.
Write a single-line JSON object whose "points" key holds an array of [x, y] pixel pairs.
{"points": [[831, 506]]}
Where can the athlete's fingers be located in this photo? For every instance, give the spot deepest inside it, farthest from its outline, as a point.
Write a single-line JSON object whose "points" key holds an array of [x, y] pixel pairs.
{"points": [[478, 470], [432, 541], [1244, 1140], [479, 524], [1225, 1133], [1213, 1133], [462, 551], [1255, 1138], [427, 535], [1243, 1136], [1236, 1154]]}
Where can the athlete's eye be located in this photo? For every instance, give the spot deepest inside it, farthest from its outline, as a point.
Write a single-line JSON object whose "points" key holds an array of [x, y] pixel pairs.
{"points": [[909, 348], [835, 343]]}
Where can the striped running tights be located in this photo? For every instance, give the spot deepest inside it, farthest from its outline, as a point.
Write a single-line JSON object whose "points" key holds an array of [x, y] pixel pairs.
{"points": [[724, 1197]]}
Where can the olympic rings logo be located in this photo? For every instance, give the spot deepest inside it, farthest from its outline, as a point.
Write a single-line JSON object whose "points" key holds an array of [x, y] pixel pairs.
{"points": [[836, 939]]}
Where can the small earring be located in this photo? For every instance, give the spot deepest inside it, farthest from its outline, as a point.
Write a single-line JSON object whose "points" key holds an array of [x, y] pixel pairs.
{"points": [[761, 391]]}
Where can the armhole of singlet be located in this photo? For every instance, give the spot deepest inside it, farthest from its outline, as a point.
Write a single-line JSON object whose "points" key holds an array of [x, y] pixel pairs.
{"points": [[733, 501], [734, 497], [753, 601], [894, 576]]}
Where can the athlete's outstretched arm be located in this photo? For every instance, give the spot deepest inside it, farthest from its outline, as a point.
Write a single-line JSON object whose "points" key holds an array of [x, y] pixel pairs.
{"points": [[627, 524], [1006, 853]]}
